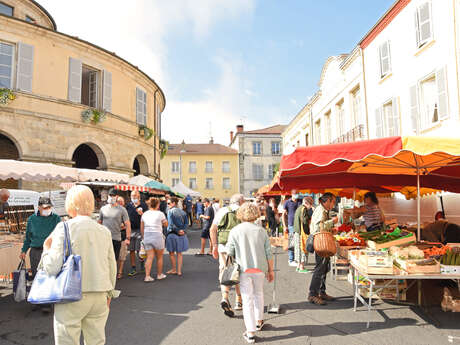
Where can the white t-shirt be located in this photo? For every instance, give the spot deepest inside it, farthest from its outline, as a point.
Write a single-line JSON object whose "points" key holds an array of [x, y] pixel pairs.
{"points": [[153, 221], [218, 217]]}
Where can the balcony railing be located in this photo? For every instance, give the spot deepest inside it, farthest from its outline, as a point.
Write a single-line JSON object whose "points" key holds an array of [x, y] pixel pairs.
{"points": [[354, 134]]}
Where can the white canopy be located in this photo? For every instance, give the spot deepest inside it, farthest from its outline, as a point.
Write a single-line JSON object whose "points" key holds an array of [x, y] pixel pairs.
{"points": [[35, 172], [139, 180], [183, 189], [101, 175]]}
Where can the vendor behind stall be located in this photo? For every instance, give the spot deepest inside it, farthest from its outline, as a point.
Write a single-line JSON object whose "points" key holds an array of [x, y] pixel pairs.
{"points": [[4, 196], [371, 212]]}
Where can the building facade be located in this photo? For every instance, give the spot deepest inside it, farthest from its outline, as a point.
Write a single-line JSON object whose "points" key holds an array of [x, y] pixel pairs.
{"points": [[259, 154], [210, 169], [70, 102], [401, 79]]}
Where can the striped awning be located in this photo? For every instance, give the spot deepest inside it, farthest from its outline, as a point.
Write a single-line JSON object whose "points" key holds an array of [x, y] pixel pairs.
{"points": [[132, 187], [67, 185]]}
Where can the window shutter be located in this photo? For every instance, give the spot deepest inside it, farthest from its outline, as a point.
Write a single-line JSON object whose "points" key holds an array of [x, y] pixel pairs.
{"points": [[378, 123], [425, 22], [395, 118], [25, 67], [385, 67], [443, 101], [144, 109], [414, 108], [107, 92], [417, 29], [75, 68], [139, 106]]}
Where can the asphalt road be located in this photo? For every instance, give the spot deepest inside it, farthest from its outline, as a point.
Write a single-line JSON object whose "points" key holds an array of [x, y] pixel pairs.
{"points": [[185, 310]]}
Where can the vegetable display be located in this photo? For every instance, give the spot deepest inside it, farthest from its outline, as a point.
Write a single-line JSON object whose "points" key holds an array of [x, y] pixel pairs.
{"points": [[350, 240], [451, 258], [379, 236]]}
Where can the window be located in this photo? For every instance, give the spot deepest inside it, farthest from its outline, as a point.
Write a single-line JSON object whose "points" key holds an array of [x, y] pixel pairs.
{"points": [[175, 167], [258, 171], [30, 19], [276, 148], [387, 119], [192, 167], [225, 166], [271, 171], [340, 111], [90, 79], [306, 140], [356, 106], [141, 107], [209, 183], [192, 183], [317, 133], [256, 148], [423, 24], [385, 59], [6, 65], [430, 98], [226, 183], [6, 10], [208, 167], [327, 119], [175, 182]]}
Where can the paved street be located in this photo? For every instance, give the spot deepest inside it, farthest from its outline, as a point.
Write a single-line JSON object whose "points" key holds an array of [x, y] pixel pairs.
{"points": [[184, 310]]}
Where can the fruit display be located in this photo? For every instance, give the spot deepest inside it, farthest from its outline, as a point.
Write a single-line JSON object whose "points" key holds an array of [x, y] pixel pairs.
{"points": [[435, 251], [451, 258], [345, 228], [380, 236], [350, 239]]}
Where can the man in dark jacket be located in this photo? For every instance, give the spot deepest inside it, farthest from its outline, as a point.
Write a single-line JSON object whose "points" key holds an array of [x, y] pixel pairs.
{"points": [[136, 209]]}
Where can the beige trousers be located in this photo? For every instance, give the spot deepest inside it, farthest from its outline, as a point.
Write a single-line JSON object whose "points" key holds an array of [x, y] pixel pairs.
{"points": [[89, 315]]}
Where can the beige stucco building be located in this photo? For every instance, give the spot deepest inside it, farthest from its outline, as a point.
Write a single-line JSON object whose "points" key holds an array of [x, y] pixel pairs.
{"points": [[59, 83]]}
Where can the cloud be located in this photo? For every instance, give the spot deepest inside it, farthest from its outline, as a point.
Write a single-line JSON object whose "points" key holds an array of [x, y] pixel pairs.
{"points": [[293, 101], [250, 93]]}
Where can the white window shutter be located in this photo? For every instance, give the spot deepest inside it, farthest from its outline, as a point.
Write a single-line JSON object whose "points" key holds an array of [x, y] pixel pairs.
{"points": [[395, 118], [139, 106], [443, 101], [144, 110], [417, 29], [378, 123], [425, 22], [414, 112], [25, 67], [107, 91], [384, 52], [74, 93]]}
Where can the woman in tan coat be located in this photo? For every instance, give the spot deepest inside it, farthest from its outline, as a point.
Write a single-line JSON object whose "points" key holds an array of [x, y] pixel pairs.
{"points": [[93, 242]]}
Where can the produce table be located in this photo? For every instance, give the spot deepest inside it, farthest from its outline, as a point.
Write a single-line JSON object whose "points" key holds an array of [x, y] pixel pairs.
{"points": [[360, 271]]}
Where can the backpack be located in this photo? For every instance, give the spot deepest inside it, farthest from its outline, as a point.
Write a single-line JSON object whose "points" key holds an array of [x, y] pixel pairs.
{"points": [[227, 223]]}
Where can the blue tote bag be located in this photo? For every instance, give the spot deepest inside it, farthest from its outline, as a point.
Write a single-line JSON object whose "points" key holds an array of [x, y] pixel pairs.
{"points": [[65, 287]]}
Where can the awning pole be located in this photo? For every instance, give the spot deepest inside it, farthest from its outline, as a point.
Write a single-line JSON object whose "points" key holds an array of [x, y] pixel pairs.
{"points": [[418, 204]]}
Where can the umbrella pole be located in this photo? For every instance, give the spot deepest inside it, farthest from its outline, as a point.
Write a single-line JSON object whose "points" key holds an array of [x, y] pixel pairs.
{"points": [[418, 204]]}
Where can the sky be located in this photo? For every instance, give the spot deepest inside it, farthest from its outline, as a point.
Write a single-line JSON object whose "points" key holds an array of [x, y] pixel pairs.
{"points": [[223, 62]]}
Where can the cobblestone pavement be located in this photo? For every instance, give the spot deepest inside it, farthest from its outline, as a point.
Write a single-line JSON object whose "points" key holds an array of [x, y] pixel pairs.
{"points": [[184, 310]]}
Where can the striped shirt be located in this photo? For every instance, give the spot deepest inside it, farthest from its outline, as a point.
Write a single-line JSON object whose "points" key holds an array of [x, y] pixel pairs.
{"points": [[372, 215]]}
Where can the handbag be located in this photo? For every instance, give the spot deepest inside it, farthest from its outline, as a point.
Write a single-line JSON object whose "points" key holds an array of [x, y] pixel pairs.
{"points": [[310, 241], [291, 241], [19, 282], [64, 287], [231, 273]]}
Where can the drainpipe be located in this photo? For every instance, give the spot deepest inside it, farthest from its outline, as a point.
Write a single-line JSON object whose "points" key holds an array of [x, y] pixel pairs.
{"points": [[365, 92]]}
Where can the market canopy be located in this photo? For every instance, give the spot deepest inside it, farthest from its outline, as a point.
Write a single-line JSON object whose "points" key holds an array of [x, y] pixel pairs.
{"points": [[35, 172], [101, 175], [139, 180], [158, 185], [394, 161], [180, 188]]}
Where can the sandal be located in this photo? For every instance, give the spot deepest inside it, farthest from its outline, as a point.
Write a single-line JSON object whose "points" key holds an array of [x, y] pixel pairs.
{"points": [[119, 275], [171, 272], [259, 326], [225, 304]]}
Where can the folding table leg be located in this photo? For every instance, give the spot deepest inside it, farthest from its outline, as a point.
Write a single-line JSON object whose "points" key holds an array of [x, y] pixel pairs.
{"points": [[355, 287], [369, 306]]}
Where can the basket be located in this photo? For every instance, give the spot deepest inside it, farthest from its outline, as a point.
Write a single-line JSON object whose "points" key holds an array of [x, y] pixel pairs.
{"points": [[324, 244]]}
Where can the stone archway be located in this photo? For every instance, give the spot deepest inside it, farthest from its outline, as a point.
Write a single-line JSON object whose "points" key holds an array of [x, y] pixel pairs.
{"points": [[8, 150], [89, 156], [140, 166]]}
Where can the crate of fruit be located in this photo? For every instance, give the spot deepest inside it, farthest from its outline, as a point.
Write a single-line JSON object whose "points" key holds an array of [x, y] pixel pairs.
{"points": [[450, 262]]}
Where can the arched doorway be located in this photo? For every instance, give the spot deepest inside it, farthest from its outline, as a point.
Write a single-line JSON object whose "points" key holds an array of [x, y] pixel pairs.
{"points": [[140, 166], [89, 156], [8, 150]]}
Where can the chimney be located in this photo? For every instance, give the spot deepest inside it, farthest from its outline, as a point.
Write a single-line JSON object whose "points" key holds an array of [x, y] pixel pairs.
{"points": [[231, 136], [211, 141], [239, 128]]}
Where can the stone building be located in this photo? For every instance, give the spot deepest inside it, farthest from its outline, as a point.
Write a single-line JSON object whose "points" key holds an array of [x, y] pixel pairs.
{"points": [[70, 102], [210, 169], [259, 153]]}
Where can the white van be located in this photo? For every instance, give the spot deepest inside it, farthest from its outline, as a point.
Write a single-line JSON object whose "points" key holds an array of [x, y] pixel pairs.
{"points": [[19, 197]]}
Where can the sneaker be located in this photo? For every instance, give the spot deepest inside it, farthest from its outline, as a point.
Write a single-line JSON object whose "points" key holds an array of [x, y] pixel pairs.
{"points": [[303, 270], [250, 340], [132, 273], [259, 326], [238, 305], [227, 308], [292, 263], [161, 276], [149, 279], [316, 300]]}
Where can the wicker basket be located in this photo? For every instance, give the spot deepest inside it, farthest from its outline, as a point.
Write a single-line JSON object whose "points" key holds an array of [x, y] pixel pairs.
{"points": [[325, 244]]}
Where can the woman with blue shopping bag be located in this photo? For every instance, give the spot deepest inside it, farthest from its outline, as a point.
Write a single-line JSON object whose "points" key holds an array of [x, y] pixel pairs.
{"points": [[93, 243]]}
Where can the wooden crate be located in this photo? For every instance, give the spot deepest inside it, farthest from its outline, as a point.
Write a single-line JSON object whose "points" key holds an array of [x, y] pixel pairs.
{"points": [[344, 251], [359, 258], [411, 267], [398, 242]]}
